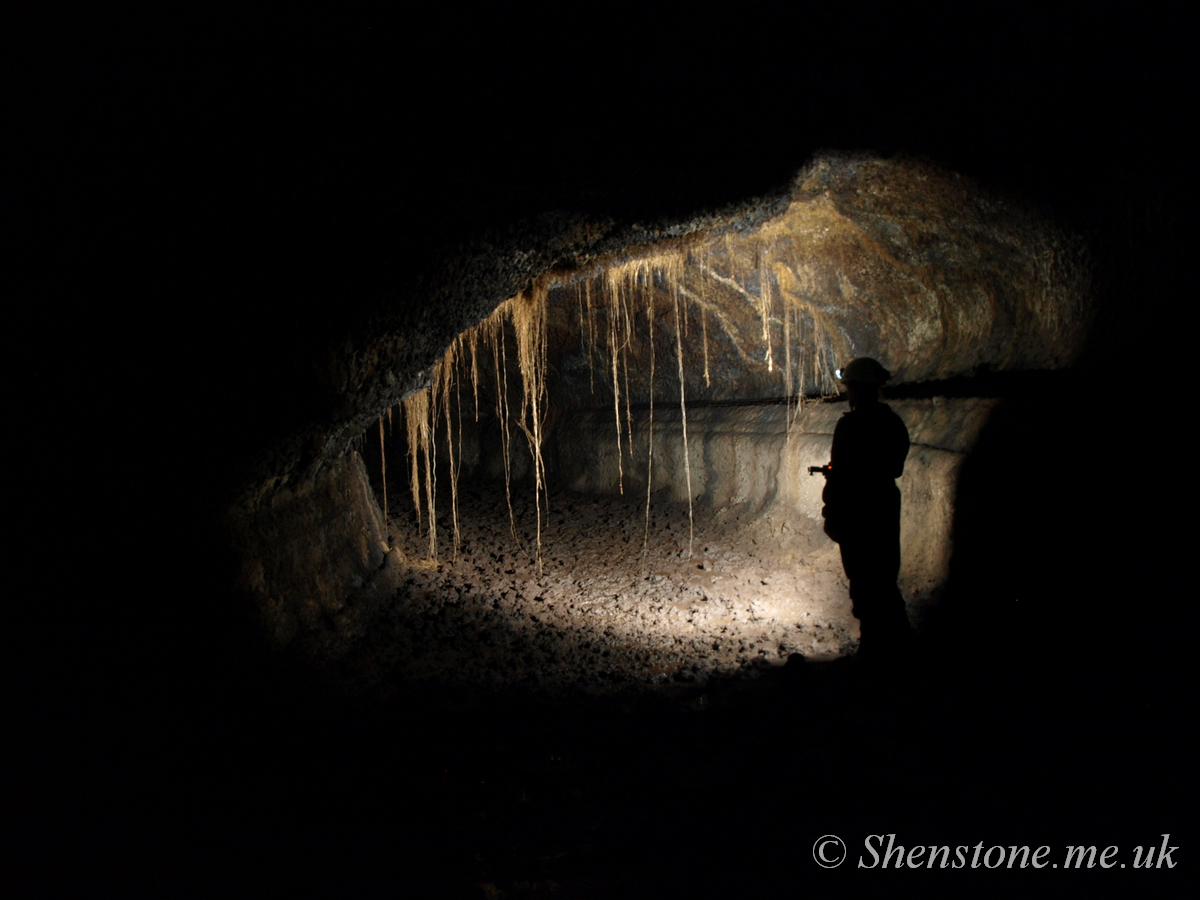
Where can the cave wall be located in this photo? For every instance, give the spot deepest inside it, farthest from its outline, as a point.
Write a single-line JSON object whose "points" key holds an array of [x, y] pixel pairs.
{"points": [[749, 461], [891, 258], [306, 550]]}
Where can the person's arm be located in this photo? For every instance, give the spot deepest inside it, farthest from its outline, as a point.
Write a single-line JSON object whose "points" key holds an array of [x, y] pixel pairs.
{"points": [[902, 444]]}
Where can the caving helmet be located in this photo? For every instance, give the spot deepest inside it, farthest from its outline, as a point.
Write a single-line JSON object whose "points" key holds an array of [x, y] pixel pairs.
{"points": [[863, 370]]}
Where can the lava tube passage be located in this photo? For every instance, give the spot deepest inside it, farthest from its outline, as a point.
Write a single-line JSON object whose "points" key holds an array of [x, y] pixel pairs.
{"points": [[606, 481]]}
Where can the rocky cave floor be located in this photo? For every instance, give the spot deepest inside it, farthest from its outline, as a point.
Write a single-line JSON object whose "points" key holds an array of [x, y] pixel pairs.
{"points": [[621, 726], [616, 609]]}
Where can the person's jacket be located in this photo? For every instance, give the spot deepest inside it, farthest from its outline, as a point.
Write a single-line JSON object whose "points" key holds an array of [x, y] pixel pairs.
{"points": [[870, 444]]}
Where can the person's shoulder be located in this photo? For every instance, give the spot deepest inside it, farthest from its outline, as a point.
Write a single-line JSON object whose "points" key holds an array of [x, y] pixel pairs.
{"points": [[896, 422]]}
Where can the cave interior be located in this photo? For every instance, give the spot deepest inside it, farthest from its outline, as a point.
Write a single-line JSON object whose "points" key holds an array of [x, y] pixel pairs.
{"points": [[612, 323]]}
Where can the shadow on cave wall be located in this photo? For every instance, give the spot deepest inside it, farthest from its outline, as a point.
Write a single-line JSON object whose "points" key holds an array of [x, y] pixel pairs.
{"points": [[1051, 565]]}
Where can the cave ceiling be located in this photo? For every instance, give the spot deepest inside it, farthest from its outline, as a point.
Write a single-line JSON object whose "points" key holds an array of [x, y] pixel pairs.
{"points": [[381, 213], [897, 258]]}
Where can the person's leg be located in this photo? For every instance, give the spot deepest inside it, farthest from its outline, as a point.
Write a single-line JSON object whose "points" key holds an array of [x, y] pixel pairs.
{"points": [[872, 564]]}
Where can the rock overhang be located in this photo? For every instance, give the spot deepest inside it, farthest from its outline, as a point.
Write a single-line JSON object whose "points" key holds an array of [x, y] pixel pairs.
{"points": [[892, 258]]}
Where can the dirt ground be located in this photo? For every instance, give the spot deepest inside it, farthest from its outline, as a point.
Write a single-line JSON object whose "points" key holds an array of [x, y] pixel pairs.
{"points": [[478, 730], [611, 610], [623, 726]]}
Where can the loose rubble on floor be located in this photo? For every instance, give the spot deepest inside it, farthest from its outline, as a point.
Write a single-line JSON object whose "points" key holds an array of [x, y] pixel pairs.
{"points": [[612, 610]]}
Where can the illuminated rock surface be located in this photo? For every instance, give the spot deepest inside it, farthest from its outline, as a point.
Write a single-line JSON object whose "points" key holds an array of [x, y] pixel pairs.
{"points": [[897, 260], [285, 241], [568, 728]]}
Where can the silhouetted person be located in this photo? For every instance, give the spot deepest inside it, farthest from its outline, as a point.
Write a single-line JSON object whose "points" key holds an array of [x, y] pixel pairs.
{"points": [[862, 509]]}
